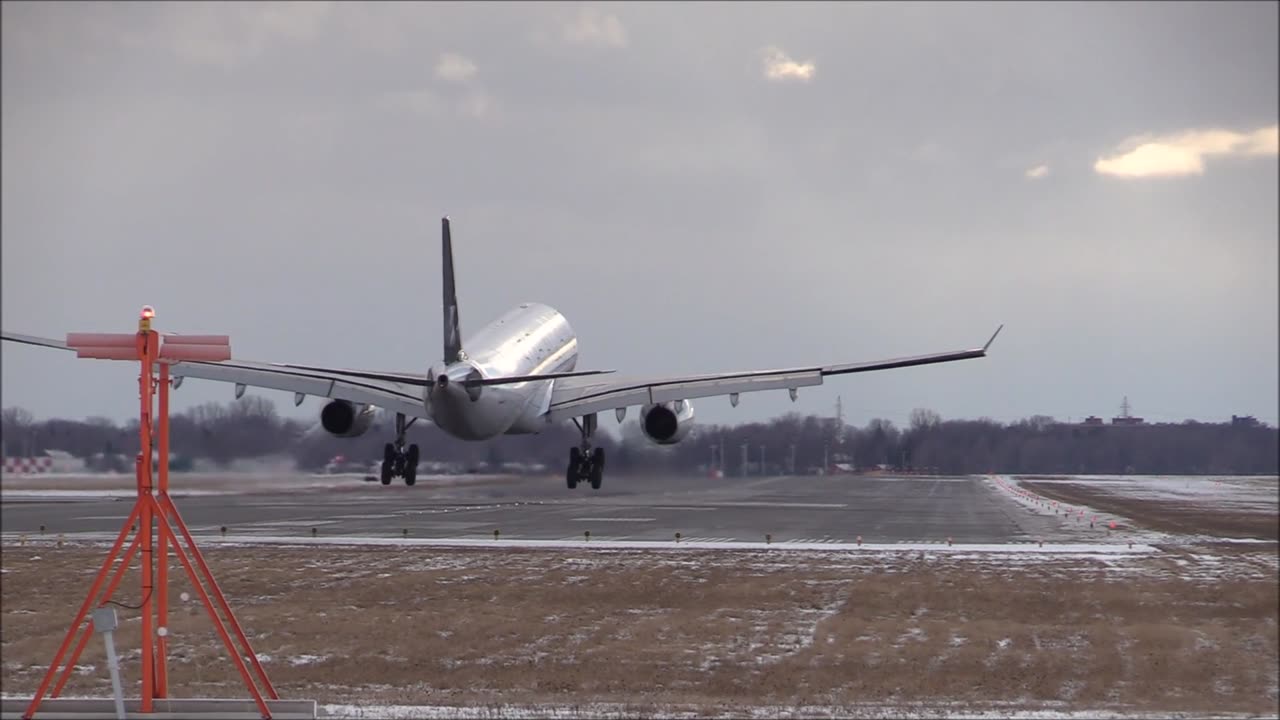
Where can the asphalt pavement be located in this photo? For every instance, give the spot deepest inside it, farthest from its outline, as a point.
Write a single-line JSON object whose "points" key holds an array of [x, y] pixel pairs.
{"points": [[790, 509]]}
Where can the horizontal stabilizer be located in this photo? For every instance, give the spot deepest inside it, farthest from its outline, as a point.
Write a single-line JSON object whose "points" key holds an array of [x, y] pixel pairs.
{"points": [[513, 379], [423, 380], [402, 378]]}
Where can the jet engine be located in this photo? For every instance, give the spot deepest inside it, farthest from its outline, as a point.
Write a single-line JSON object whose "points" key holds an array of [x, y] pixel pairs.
{"points": [[342, 418], [667, 423]]}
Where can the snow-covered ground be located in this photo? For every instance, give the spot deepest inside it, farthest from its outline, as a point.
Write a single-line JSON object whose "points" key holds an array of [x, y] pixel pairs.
{"points": [[799, 628], [1261, 493], [876, 549], [612, 711], [1238, 494], [1055, 560], [600, 710], [1080, 514]]}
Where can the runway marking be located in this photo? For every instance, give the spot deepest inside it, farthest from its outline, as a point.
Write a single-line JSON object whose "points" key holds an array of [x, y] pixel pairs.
{"points": [[379, 516], [681, 507], [780, 504], [612, 519], [294, 523]]}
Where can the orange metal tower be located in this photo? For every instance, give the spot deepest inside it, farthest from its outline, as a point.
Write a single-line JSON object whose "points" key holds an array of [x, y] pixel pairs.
{"points": [[156, 521]]}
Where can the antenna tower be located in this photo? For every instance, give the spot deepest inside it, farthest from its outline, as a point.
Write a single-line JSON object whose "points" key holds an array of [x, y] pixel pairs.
{"points": [[1124, 407]]}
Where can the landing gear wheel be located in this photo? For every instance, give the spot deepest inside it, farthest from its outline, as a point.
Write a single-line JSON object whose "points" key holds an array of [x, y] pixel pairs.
{"points": [[583, 463], [411, 465], [597, 468], [395, 460], [575, 466], [388, 463]]}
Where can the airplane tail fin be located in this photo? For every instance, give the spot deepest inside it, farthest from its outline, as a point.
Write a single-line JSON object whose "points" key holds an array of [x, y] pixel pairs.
{"points": [[452, 330]]}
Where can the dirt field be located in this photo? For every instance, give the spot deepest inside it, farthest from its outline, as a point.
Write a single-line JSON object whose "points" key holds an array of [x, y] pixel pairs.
{"points": [[1203, 517], [1175, 631]]}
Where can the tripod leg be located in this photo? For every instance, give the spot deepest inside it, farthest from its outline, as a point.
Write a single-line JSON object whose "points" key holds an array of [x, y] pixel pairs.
{"points": [[121, 569], [84, 609]]}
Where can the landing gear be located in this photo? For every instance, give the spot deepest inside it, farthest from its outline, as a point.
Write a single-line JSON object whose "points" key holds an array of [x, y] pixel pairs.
{"points": [[585, 463], [396, 461]]}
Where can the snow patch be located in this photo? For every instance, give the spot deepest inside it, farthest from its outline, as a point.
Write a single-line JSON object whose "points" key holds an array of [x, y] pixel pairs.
{"points": [[761, 712], [307, 659], [1080, 550]]}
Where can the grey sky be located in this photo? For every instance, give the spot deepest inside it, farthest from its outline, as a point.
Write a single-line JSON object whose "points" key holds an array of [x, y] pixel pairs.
{"points": [[697, 187]]}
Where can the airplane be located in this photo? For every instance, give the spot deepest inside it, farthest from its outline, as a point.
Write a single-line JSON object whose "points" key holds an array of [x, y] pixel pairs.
{"points": [[517, 375]]}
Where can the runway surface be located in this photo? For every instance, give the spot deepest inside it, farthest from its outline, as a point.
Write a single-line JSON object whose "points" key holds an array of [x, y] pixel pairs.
{"points": [[809, 509]]}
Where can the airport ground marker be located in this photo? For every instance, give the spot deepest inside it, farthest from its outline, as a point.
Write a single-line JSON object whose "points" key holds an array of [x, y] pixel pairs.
{"points": [[154, 519]]}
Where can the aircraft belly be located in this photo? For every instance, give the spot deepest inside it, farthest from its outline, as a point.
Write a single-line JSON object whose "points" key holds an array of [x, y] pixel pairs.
{"points": [[489, 416]]}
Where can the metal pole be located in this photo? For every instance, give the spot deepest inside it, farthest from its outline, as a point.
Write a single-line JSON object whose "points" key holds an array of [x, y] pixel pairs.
{"points": [[147, 340], [162, 578], [105, 622]]}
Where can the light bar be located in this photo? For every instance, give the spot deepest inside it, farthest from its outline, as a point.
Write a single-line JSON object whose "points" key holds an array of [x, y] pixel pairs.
{"points": [[76, 340], [197, 339]]}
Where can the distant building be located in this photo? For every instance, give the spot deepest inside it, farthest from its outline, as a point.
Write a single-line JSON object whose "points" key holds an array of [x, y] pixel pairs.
{"points": [[1125, 418], [1092, 420], [1244, 421], [51, 461]]}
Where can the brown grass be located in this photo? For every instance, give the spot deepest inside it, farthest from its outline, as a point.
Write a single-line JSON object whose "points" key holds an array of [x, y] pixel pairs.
{"points": [[1200, 518], [710, 629]]}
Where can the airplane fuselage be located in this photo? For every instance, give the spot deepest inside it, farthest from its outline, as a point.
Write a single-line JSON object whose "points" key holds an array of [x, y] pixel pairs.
{"points": [[530, 339]]}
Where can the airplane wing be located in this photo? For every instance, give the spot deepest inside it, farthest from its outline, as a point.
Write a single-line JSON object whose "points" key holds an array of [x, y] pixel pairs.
{"points": [[573, 394], [395, 392], [575, 397]]}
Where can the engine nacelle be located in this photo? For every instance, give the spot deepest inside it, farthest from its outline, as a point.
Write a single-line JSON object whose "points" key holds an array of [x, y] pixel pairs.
{"points": [[667, 423], [342, 418]]}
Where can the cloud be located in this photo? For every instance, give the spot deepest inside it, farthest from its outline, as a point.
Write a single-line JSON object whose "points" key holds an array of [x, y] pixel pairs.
{"points": [[1038, 172], [477, 104], [594, 28], [418, 102], [455, 68], [1184, 153], [230, 35], [779, 66]]}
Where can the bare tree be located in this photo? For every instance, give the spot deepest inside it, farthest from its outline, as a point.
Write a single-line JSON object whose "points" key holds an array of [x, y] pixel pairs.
{"points": [[922, 419]]}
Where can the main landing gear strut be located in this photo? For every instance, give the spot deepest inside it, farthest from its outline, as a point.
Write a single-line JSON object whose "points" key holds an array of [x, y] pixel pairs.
{"points": [[395, 460], [585, 463]]}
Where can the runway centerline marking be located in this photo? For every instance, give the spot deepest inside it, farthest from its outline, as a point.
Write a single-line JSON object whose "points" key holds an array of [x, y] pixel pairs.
{"points": [[612, 519]]}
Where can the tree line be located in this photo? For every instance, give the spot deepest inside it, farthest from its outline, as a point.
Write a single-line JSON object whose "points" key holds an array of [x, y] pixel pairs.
{"points": [[792, 444]]}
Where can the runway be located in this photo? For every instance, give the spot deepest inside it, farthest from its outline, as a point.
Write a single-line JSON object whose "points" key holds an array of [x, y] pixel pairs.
{"points": [[808, 509]]}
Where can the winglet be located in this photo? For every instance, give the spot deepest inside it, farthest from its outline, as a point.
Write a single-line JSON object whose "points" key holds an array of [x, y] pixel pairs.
{"points": [[993, 337], [452, 331]]}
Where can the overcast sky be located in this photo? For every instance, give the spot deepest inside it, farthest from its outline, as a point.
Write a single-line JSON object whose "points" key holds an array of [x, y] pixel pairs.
{"points": [[697, 187]]}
